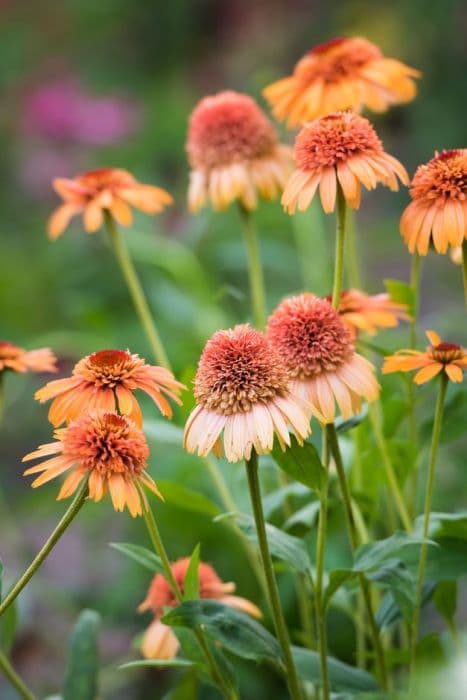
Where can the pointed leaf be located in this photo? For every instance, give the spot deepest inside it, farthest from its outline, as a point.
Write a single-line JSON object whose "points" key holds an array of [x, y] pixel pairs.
{"points": [[177, 495], [83, 659], [445, 600], [140, 554], [341, 676], [302, 463], [191, 582], [158, 663]]}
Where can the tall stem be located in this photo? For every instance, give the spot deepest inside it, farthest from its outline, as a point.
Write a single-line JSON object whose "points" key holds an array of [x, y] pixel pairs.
{"points": [[353, 267], [340, 248], [17, 683], [66, 520], [136, 291], [320, 550], [436, 434], [255, 269], [278, 616], [464, 268], [415, 273]]}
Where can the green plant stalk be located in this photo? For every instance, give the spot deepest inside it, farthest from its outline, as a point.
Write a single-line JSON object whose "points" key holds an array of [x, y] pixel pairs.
{"points": [[435, 438], [319, 586], [353, 267], [464, 268], [2, 396], [17, 683], [255, 269], [415, 275], [66, 520], [340, 248], [278, 617]]}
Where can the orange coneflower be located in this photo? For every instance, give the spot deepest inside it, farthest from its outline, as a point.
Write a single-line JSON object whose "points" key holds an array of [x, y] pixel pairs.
{"points": [[317, 349], [105, 189], [438, 211], [159, 642], [108, 449], [365, 312], [343, 73], [18, 360], [106, 381], [341, 148], [234, 153], [438, 357], [241, 389]]}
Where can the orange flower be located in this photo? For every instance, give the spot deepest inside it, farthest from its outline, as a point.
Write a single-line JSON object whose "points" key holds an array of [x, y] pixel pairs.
{"points": [[106, 381], [341, 148], [317, 349], [105, 189], [241, 389], [343, 73], [234, 153], [108, 449], [438, 357], [159, 642], [362, 312], [438, 211], [19, 360]]}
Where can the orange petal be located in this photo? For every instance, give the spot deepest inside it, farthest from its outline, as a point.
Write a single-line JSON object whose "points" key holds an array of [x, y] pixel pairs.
{"points": [[433, 337], [428, 373]]}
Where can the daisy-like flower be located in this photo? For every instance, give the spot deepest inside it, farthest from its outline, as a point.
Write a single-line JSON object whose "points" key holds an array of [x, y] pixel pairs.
{"points": [[241, 389], [317, 349], [18, 360], [108, 449], [106, 381], [343, 73], [105, 189], [438, 211], [234, 153], [159, 642], [341, 148], [438, 357], [365, 312]]}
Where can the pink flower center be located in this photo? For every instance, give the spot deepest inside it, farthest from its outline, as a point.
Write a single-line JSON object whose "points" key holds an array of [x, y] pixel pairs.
{"points": [[446, 352], [444, 176], [107, 368]]}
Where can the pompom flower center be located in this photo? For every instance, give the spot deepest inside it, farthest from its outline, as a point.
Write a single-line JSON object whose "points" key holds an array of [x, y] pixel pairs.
{"points": [[444, 176], [446, 352], [335, 138], [228, 128], [108, 367], [238, 368], [340, 58], [310, 336]]}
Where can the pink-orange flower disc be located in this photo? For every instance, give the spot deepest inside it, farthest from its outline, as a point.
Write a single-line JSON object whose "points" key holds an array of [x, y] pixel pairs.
{"points": [[159, 642], [108, 449], [438, 357], [104, 190], [241, 389], [343, 73], [341, 148], [107, 380], [16, 359], [234, 153], [365, 312], [438, 211], [317, 349]]}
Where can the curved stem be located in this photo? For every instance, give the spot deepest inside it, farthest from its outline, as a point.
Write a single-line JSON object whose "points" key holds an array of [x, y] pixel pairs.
{"points": [[340, 248], [438, 419], [66, 520], [136, 291], [320, 550], [278, 616], [17, 683], [255, 270], [464, 268]]}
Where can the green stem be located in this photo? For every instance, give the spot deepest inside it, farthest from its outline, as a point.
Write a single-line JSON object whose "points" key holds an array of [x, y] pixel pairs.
{"points": [[17, 683], [415, 287], [66, 520], [352, 255], [438, 419], [415, 274], [136, 291], [340, 248], [464, 268], [278, 617], [255, 270], [320, 550], [2, 396]]}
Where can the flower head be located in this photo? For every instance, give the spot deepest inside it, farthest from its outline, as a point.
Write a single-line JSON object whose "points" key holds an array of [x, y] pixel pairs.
{"points": [[438, 211], [438, 357], [18, 360], [107, 380], [340, 148], [343, 73], [234, 153], [108, 449], [107, 189], [365, 312], [159, 642], [317, 349], [241, 388]]}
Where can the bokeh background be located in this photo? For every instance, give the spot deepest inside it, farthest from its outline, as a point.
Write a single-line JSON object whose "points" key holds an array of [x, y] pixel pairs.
{"points": [[86, 84]]}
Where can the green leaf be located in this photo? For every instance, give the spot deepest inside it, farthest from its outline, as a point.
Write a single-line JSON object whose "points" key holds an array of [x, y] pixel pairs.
{"points": [[304, 517], [343, 426], [389, 612], [164, 432], [140, 554], [337, 578], [302, 463], [342, 677], [158, 663], [177, 495], [401, 293], [446, 524], [399, 580], [371, 556], [83, 659], [445, 562], [275, 500], [8, 621], [445, 600], [186, 689], [191, 582]]}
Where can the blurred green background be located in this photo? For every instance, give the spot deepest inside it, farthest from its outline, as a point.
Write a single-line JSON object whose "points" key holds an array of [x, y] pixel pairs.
{"points": [[111, 83]]}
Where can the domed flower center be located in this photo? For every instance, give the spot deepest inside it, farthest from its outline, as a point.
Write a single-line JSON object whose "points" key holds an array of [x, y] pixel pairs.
{"points": [[8, 351], [228, 128], [446, 352], [238, 368], [107, 443], [335, 138], [108, 367], [340, 58], [443, 176], [94, 181], [309, 335]]}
